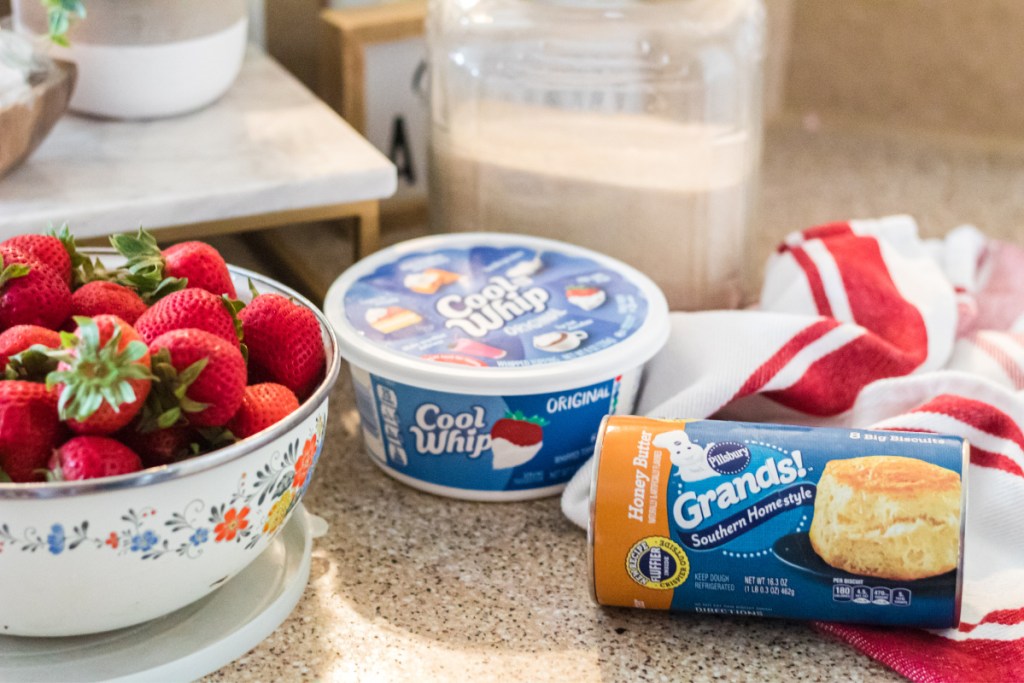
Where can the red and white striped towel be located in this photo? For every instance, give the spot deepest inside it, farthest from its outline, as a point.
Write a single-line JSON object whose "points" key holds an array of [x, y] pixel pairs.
{"points": [[864, 324]]}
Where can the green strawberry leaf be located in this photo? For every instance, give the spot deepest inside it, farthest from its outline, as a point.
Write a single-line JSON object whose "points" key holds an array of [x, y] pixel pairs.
{"points": [[252, 289], [95, 372], [167, 404], [215, 437], [63, 234], [191, 373], [141, 247], [234, 306], [144, 266], [166, 286], [4, 477], [169, 418], [32, 365], [12, 272]]}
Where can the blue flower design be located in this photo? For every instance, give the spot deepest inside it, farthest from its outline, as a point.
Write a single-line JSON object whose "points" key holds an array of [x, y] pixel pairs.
{"points": [[199, 537], [144, 541], [55, 539]]}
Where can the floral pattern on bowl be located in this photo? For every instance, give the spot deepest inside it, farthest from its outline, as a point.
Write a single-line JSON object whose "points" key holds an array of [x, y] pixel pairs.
{"points": [[282, 480]]}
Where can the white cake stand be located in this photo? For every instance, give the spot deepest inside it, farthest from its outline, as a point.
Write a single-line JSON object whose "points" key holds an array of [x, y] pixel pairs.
{"points": [[186, 644]]}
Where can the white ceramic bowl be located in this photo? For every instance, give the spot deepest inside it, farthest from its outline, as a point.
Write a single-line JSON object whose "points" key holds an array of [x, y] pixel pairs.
{"points": [[91, 556]]}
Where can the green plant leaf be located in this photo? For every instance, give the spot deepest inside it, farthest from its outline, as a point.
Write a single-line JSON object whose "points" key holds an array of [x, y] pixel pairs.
{"points": [[59, 14]]}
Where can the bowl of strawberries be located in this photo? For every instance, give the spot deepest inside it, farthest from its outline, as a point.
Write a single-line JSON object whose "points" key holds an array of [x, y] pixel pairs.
{"points": [[161, 415]]}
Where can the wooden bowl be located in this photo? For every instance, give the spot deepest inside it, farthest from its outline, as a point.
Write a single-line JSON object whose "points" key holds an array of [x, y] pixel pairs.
{"points": [[24, 125]]}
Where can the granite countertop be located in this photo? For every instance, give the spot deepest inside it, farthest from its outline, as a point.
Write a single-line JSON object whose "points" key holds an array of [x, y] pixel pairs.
{"points": [[409, 585]]}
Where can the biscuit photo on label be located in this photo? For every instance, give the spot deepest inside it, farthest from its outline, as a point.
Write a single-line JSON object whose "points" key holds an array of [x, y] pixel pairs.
{"points": [[889, 517]]}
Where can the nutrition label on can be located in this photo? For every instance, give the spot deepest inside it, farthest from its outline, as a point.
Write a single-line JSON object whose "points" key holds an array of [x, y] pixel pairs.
{"points": [[860, 594]]}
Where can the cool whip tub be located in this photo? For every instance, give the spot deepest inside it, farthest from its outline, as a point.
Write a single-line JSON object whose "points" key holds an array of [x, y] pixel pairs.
{"points": [[483, 363]]}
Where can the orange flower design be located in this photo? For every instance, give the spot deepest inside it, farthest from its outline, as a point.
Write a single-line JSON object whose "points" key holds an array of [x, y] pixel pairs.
{"points": [[304, 462], [112, 540], [234, 521]]}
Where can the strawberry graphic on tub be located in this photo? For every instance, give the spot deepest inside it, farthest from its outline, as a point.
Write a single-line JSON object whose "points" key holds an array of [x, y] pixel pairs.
{"points": [[515, 439]]}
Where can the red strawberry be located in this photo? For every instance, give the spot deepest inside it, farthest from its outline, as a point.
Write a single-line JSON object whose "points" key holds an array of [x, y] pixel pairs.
{"points": [[211, 369], [197, 262], [48, 250], [201, 265], [158, 447], [189, 309], [16, 339], [30, 292], [29, 428], [104, 375], [92, 457], [107, 298], [262, 406], [285, 343], [519, 429]]}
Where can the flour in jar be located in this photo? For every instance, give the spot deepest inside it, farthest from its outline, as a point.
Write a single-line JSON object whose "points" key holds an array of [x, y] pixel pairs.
{"points": [[670, 199]]}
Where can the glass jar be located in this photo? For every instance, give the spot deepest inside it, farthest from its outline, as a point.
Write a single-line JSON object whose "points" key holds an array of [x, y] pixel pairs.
{"points": [[632, 127]]}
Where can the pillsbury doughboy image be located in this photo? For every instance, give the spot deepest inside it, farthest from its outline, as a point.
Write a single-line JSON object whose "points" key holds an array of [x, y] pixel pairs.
{"points": [[688, 457]]}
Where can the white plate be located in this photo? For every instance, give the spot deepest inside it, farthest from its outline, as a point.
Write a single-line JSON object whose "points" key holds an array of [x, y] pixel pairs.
{"points": [[186, 644]]}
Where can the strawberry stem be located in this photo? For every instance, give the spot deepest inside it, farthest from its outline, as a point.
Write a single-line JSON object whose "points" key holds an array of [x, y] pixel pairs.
{"points": [[32, 365], [94, 372], [144, 267], [167, 403]]}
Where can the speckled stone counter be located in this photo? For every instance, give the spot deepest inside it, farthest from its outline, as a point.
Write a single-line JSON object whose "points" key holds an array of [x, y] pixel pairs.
{"points": [[410, 586]]}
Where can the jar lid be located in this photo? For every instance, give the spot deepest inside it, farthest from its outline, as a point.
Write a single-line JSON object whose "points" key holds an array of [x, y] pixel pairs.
{"points": [[495, 313]]}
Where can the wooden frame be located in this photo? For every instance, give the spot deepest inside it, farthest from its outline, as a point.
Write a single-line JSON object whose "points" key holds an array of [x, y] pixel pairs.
{"points": [[346, 34]]}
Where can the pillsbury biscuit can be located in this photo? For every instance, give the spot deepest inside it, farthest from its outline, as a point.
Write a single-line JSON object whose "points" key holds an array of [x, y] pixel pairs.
{"points": [[736, 518]]}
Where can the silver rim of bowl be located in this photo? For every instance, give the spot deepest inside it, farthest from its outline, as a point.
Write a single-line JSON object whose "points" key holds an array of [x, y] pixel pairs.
{"points": [[210, 460]]}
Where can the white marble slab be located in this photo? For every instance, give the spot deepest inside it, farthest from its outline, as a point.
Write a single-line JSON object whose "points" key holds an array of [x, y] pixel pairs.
{"points": [[268, 145]]}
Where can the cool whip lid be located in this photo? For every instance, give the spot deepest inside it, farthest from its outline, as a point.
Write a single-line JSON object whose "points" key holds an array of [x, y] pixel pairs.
{"points": [[494, 313]]}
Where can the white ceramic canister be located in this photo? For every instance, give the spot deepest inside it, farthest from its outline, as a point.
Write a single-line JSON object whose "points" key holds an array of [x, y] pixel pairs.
{"points": [[483, 363]]}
